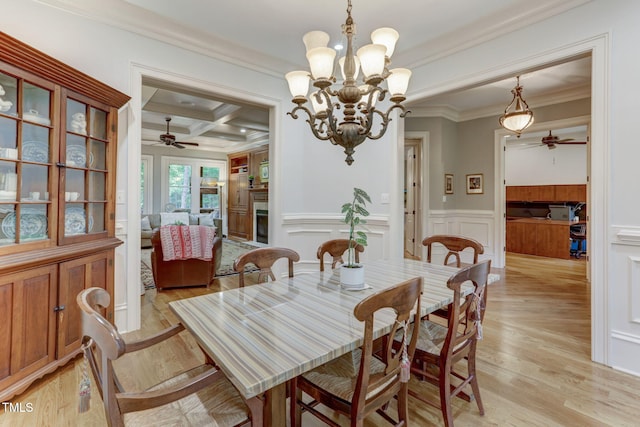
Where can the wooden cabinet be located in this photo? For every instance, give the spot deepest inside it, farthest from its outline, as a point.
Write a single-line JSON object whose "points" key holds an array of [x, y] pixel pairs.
{"points": [[539, 237], [571, 193], [58, 130], [520, 238], [552, 240], [240, 214], [546, 193], [28, 324], [238, 201], [75, 276]]}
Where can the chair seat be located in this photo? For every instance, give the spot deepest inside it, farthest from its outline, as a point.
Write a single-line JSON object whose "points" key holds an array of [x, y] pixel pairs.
{"points": [[430, 339], [216, 405], [339, 376]]}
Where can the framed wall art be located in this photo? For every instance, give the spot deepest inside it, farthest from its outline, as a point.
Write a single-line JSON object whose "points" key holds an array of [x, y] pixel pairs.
{"points": [[475, 184], [448, 183], [264, 171]]}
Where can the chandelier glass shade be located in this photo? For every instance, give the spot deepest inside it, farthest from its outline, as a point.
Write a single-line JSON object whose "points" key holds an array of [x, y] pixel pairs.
{"points": [[517, 116], [346, 116]]}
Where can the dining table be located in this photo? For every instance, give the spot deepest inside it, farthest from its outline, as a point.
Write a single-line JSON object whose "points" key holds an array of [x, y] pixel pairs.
{"points": [[264, 335]]}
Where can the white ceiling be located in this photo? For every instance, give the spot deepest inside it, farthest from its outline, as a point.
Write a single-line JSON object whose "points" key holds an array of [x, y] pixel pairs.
{"points": [[268, 35]]}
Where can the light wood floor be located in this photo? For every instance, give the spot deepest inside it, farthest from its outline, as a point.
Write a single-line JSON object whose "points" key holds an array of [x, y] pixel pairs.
{"points": [[534, 362]]}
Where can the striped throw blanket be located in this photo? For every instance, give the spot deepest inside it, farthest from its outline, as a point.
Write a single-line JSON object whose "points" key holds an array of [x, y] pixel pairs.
{"points": [[181, 242]]}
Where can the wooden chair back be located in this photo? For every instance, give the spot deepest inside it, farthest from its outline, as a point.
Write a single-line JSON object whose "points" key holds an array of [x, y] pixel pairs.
{"points": [[103, 344], [455, 245], [264, 258], [465, 319], [336, 248], [445, 367], [373, 390]]}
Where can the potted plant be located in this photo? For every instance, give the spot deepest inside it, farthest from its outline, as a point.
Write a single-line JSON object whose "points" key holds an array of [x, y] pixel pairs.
{"points": [[251, 178], [352, 274]]}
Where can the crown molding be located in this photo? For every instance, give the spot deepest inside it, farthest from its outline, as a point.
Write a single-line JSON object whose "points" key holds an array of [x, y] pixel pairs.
{"points": [[128, 17], [481, 31], [453, 114]]}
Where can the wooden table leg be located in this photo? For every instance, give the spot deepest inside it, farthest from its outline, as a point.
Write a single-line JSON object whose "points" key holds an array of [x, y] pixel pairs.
{"points": [[275, 406]]}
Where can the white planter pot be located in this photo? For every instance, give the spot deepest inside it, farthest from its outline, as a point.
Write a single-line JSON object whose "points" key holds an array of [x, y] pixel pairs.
{"points": [[352, 276]]}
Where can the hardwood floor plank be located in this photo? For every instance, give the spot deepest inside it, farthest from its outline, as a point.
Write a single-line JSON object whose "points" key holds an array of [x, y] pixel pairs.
{"points": [[534, 363]]}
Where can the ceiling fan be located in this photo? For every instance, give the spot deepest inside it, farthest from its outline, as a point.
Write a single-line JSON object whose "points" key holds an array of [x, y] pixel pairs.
{"points": [[169, 139], [552, 140]]}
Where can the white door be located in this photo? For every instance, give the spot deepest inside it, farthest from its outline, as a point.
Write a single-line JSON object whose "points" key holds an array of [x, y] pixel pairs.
{"points": [[411, 194]]}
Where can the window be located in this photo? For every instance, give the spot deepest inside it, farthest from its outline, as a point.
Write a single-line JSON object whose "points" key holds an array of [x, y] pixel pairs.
{"points": [[193, 184], [180, 186]]}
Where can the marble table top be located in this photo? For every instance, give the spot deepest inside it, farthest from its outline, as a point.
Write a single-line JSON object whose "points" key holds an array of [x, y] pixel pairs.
{"points": [[263, 335]]}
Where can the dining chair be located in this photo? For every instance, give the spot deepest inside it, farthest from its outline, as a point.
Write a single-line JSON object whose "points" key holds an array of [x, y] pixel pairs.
{"points": [[358, 383], [264, 258], [198, 396], [440, 347], [336, 248], [455, 245]]}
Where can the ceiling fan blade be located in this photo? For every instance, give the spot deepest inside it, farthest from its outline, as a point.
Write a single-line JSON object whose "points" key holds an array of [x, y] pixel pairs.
{"points": [[187, 143], [571, 142], [177, 145]]}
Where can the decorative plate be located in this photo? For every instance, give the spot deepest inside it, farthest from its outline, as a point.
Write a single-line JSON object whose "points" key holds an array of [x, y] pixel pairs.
{"points": [[33, 224], [77, 155], [35, 151], [36, 119], [74, 221]]}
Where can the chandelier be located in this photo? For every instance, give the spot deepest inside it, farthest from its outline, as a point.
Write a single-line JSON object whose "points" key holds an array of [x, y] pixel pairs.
{"points": [[520, 117], [345, 116]]}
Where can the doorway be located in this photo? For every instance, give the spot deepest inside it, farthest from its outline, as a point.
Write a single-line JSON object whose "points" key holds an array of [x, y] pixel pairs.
{"points": [[412, 199], [576, 156]]}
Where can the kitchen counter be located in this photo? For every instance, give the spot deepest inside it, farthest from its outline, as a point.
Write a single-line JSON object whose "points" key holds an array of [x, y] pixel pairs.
{"points": [[541, 220], [540, 236]]}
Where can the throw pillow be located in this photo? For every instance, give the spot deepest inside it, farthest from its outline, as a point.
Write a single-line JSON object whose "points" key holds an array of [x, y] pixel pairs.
{"points": [[145, 224], [174, 218], [206, 220]]}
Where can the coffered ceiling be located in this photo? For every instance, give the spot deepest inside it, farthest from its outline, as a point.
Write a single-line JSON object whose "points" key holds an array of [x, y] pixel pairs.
{"points": [[213, 122], [267, 35]]}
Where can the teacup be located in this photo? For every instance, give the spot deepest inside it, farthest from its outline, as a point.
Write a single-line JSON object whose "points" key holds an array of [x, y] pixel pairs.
{"points": [[35, 195]]}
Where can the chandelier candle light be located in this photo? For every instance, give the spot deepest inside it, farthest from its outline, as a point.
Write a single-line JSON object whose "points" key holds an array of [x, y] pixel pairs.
{"points": [[520, 117], [354, 125]]}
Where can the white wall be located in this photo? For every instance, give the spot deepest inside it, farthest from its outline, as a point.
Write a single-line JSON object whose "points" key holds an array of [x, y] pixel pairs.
{"points": [[538, 165], [310, 180]]}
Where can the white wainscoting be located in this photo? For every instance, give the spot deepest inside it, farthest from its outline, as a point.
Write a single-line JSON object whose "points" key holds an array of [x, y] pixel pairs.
{"points": [[305, 232], [624, 299], [476, 224]]}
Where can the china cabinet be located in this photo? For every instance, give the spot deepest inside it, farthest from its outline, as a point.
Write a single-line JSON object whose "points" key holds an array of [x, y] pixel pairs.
{"points": [[58, 130]]}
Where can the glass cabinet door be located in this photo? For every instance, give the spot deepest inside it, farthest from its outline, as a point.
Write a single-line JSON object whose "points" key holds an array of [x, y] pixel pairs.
{"points": [[84, 189], [25, 161]]}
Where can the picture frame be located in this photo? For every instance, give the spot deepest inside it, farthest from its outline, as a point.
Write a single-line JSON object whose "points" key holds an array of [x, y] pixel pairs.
{"points": [[264, 171], [448, 183], [475, 183]]}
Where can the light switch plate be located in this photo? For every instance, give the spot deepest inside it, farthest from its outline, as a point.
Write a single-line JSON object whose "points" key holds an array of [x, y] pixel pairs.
{"points": [[120, 197], [384, 198]]}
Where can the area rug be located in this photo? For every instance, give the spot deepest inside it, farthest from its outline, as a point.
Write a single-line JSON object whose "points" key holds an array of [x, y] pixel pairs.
{"points": [[230, 251]]}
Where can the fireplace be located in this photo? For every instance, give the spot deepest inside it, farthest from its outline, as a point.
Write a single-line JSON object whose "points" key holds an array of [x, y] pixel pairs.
{"points": [[262, 226], [259, 207]]}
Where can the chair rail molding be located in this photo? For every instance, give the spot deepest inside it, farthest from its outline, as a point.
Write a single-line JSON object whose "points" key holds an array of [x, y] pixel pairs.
{"points": [[477, 224], [305, 232]]}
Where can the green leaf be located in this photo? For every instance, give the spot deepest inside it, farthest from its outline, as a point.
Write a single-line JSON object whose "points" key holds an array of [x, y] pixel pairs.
{"points": [[362, 211], [361, 193]]}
